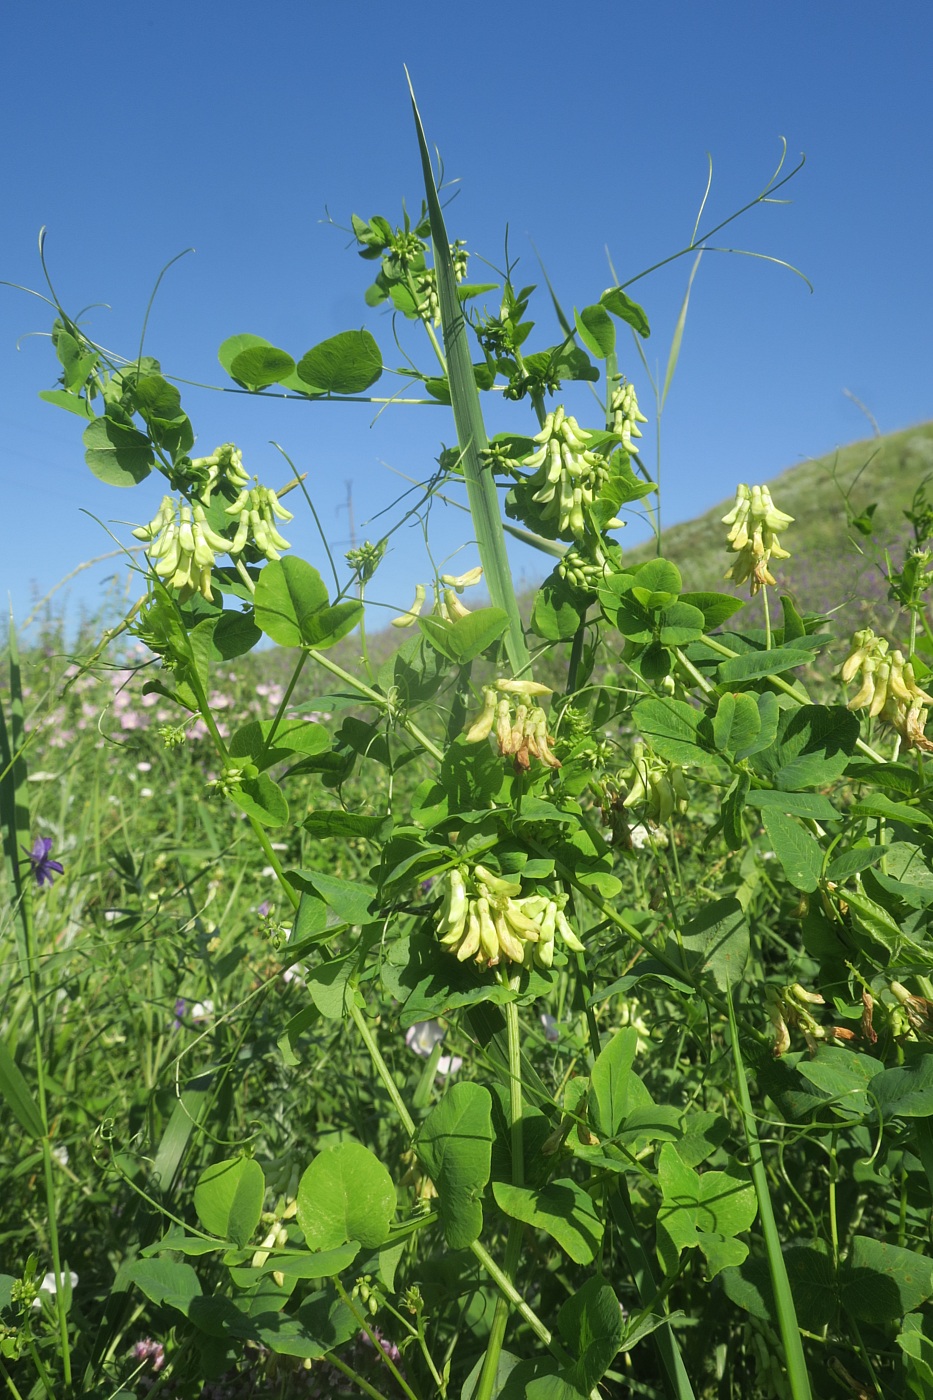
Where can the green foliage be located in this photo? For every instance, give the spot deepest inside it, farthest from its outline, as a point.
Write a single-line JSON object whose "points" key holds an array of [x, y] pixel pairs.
{"points": [[409, 982]]}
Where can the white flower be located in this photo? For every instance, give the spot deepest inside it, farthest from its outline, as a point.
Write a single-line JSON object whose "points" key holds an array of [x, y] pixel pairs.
{"points": [[551, 1028], [50, 1285], [201, 1012], [60, 1154], [422, 1037]]}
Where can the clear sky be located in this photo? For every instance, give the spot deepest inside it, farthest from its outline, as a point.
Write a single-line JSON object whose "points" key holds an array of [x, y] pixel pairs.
{"points": [[136, 132]]}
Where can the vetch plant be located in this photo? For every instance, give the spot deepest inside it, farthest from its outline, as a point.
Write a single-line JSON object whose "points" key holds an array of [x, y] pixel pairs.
{"points": [[635, 854]]}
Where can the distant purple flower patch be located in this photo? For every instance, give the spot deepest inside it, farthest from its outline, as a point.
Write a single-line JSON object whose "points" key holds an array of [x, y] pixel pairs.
{"points": [[40, 858]]}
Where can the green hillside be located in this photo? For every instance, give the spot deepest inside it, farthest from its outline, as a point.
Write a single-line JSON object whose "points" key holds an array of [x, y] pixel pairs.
{"points": [[830, 560]]}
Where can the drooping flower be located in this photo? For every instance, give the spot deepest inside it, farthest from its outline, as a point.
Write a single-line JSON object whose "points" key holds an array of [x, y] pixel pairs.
{"points": [[40, 858], [755, 521]]}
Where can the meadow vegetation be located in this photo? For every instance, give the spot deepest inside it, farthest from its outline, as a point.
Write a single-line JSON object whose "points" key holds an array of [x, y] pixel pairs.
{"points": [[534, 1000]]}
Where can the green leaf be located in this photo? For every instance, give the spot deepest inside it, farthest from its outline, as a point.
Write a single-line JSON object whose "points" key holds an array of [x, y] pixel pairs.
{"points": [[717, 942], [797, 804], [61, 398], [612, 1093], [591, 1324], [336, 822], [261, 365], [165, 1281], [291, 606], [347, 363], [706, 1210], [325, 1263], [290, 737], [843, 1077], [345, 1194], [733, 805], [228, 1198], [627, 310], [327, 985], [811, 748], [849, 863], [558, 612], [262, 799], [116, 454], [905, 1091], [462, 641], [880, 1282], [236, 345], [736, 723], [482, 494], [755, 664], [596, 329], [679, 624], [812, 1281], [797, 849], [455, 1146], [349, 899], [562, 1210], [715, 607], [670, 726]]}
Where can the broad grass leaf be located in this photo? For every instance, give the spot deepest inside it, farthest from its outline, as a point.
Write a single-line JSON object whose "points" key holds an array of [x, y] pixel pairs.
{"points": [[345, 1194], [116, 454], [347, 363], [228, 1198], [562, 1210], [18, 1095], [797, 849], [455, 1146]]}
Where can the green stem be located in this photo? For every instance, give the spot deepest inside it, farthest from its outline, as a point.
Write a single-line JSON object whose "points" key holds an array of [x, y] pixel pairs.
{"points": [[379, 1351], [513, 1247], [334, 1360], [767, 608]]}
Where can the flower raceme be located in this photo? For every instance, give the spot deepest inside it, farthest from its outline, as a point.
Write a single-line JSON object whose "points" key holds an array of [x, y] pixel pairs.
{"points": [[522, 734], [568, 477], [755, 521], [184, 546], [485, 917], [888, 687], [658, 789], [626, 415]]}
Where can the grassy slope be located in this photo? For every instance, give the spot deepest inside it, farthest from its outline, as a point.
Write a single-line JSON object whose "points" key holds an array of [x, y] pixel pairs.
{"points": [[826, 567]]}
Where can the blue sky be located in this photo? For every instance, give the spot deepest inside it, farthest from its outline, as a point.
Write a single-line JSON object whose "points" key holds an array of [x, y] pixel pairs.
{"points": [[137, 133]]}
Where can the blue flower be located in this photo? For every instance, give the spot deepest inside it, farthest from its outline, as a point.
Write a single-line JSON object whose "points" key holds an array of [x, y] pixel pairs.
{"points": [[41, 861]]}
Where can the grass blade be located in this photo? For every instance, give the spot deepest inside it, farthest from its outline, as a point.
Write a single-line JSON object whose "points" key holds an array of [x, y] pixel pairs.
{"points": [[678, 335], [468, 417], [784, 1300]]}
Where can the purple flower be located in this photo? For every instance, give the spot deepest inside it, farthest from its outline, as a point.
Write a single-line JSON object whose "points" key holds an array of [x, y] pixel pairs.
{"points": [[40, 859], [180, 1008]]}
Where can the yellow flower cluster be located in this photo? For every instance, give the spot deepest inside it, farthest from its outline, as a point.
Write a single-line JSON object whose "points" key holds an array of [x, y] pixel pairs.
{"points": [[888, 688], [183, 547], [522, 734], [569, 476], [485, 917], [755, 521]]}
